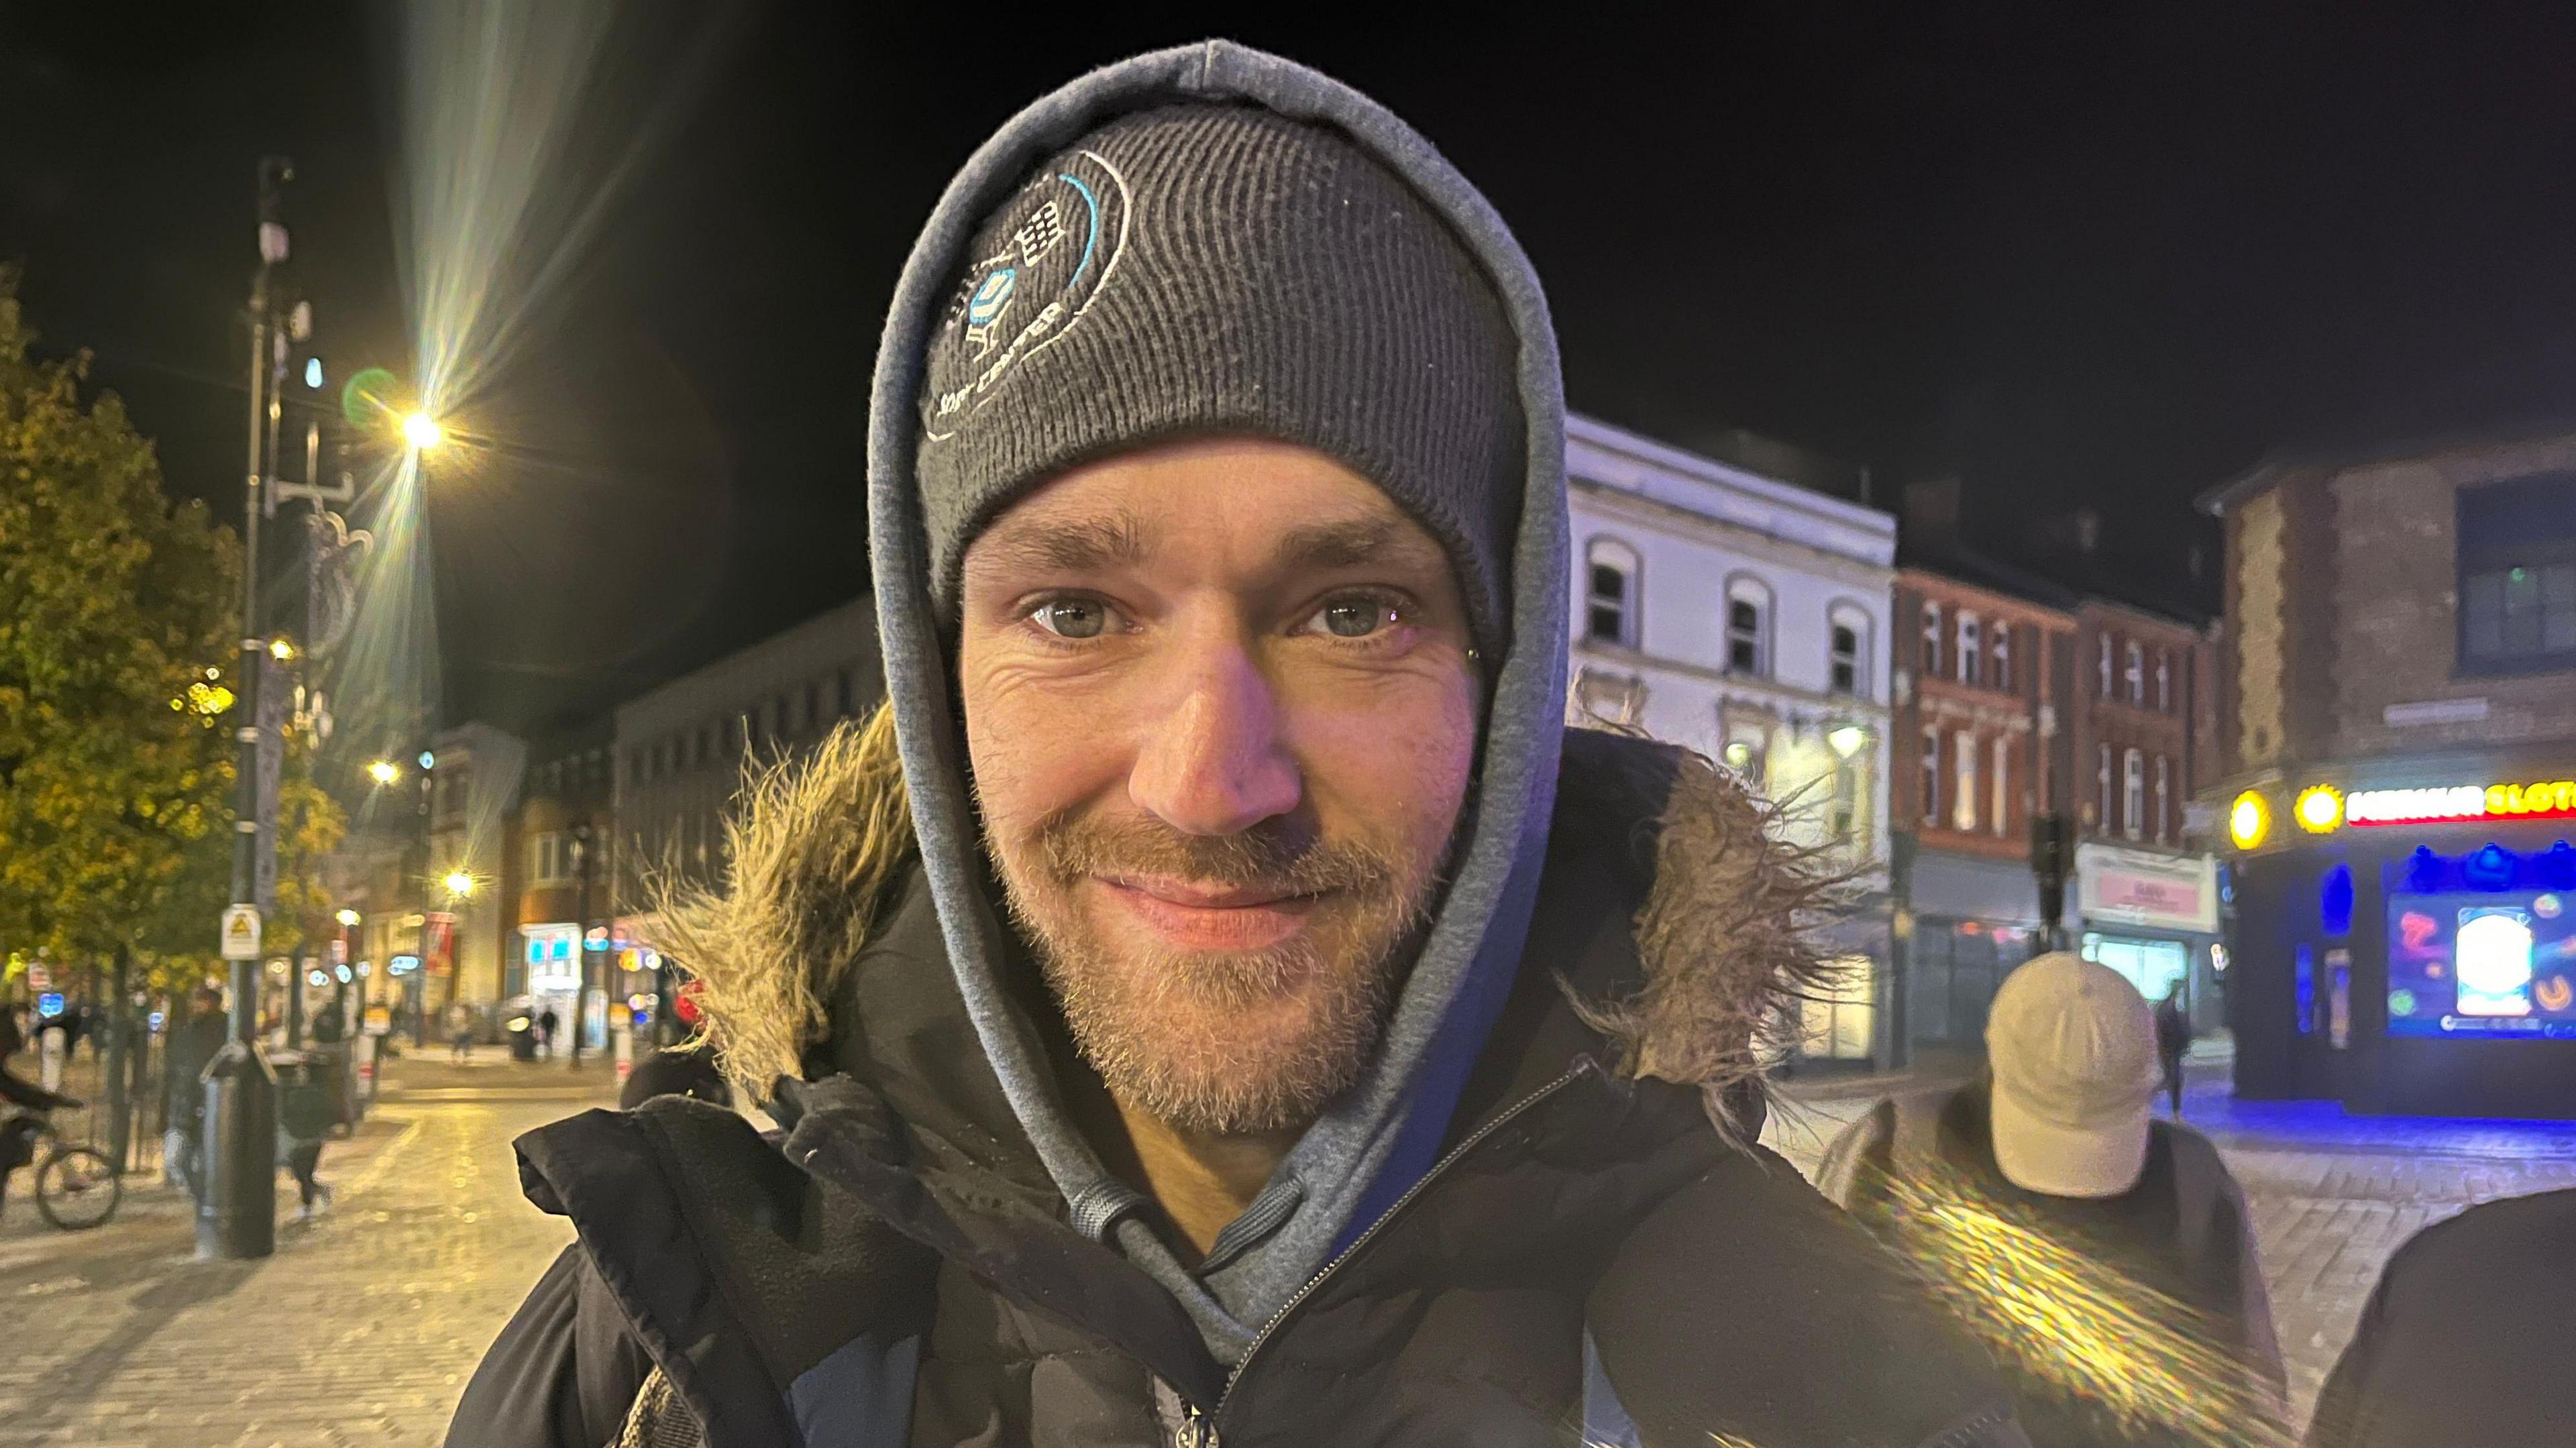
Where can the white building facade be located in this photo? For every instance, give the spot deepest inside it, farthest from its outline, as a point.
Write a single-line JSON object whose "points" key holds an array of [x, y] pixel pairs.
{"points": [[1747, 618]]}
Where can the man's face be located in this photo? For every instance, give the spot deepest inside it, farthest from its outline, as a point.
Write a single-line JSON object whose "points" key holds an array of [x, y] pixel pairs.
{"points": [[1222, 716]]}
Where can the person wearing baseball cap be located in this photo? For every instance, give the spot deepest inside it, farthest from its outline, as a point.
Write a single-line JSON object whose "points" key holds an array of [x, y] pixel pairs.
{"points": [[2045, 1189]]}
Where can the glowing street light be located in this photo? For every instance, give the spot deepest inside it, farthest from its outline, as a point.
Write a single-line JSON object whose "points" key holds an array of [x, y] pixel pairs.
{"points": [[384, 771], [459, 884], [348, 919], [421, 433], [1847, 739], [282, 650]]}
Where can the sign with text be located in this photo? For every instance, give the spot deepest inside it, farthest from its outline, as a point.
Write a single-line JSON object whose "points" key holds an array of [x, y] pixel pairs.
{"points": [[2138, 887]]}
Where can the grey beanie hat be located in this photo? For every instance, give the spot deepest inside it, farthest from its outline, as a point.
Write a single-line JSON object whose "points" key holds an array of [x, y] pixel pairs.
{"points": [[1203, 269]]}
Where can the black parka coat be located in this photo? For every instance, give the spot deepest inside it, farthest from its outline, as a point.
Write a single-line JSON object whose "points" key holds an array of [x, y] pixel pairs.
{"points": [[1597, 1256]]}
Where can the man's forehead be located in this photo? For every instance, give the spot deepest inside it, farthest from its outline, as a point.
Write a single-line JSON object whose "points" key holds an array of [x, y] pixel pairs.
{"points": [[1072, 532]]}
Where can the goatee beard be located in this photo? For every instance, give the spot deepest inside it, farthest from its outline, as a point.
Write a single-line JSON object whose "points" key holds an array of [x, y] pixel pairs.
{"points": [[1173, 1032]]}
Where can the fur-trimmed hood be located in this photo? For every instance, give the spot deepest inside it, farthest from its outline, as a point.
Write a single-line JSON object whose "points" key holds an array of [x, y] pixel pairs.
{"points": [[1723, 910]]}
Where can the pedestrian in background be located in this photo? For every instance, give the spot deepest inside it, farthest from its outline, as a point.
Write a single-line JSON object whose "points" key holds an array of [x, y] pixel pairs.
{"points": [[547, 1021], [2464, 1342], [2046, 1185], [460, 1033], [2173, 1042], [193, 1044]]}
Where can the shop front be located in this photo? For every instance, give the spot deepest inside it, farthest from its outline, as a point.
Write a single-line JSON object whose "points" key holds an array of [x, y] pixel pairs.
{"points": [[2154, 919], [2408, 948], [1963, 923]]}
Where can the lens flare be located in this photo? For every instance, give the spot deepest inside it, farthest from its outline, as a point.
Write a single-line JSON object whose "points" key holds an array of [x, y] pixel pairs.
{"points": [[2069, 1323]]}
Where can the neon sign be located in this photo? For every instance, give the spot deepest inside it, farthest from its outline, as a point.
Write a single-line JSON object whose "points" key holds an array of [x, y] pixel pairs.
{"points": [[2548, 799]]}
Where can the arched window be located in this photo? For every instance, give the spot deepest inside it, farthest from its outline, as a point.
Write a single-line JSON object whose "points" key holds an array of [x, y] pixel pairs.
{"points": [[1610, 593], [2135, 675], [1931, 663], [1748, 626], [1847, 650], [1968, 640]]}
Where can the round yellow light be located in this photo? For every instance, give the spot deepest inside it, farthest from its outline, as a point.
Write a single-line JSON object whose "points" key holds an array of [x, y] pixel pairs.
{"points": [[421, 433], [348, 918], [459, 883], [384, 771], [2249, 820], [2320, 808]]}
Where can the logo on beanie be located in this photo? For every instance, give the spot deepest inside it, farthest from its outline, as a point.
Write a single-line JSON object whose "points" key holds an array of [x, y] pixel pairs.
{"points": [[1046, 257]]}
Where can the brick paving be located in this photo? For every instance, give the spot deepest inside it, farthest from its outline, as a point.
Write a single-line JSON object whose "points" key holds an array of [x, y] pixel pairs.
{"points": [[360, 1330], [364, 1326], [2333, 1196]]}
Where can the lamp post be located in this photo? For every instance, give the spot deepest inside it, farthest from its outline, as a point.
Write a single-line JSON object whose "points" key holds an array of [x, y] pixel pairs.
{"points": [[236, 1217]]}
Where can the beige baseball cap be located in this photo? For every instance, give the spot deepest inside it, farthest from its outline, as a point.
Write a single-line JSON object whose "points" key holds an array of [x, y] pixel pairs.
{"points": [[2073, 1049]]}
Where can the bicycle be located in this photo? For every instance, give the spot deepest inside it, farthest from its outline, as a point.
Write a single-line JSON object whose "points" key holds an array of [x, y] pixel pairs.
{"points": [[77, 1187]]}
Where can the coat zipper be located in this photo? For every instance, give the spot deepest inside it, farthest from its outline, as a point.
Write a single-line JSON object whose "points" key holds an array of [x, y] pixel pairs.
{"points": [[1204, 1425]]}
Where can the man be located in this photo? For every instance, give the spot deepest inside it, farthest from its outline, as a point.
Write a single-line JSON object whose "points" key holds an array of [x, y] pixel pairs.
{"points": [[547, 1020], [193, 1045], [1216, 1001], [2464, 1342], [2105, 1256], [2173, 1043]]}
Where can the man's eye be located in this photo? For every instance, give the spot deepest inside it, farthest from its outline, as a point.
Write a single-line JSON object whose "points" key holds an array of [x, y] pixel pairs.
{"points": [[1355, 617], [1071, 618]]}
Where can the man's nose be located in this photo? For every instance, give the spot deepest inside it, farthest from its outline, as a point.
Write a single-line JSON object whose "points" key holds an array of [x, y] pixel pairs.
{"points": [[1215, 761]]}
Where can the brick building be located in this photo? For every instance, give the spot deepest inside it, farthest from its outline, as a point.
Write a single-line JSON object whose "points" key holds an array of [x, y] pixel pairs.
{"points": [[2018, 695], [2142, 740], [1977, 748], [2399, 719]]}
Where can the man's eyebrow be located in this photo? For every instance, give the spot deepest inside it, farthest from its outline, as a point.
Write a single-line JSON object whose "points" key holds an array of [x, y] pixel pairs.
{"points": [[1087, 545], [1350, 543]]}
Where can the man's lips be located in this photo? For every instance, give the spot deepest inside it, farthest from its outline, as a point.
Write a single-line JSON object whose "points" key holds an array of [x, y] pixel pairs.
{"points": [[1209, 917]]}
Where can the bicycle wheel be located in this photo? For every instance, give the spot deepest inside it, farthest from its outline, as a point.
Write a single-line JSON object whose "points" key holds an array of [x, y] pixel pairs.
{"points": [[77, 1188]]}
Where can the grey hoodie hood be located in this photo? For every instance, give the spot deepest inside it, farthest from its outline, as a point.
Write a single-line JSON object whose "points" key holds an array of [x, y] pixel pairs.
{"points": [[1383, 1133]]}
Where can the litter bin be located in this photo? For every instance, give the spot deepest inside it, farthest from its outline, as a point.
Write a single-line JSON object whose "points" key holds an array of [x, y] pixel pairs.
{"points": [[237, 1215], [523, 1037]]}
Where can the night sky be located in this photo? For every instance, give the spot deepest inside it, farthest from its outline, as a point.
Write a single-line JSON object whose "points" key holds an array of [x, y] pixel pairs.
{"points": [[2095, 263]]}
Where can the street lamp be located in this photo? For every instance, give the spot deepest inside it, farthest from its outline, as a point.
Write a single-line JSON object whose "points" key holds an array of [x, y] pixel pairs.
{"points": [[459, 884], [384, 771], [348, 919], [421, 433]]}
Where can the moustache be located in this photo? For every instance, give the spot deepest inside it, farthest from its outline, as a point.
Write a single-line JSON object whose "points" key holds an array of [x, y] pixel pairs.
{"points": [[1277, 856]]}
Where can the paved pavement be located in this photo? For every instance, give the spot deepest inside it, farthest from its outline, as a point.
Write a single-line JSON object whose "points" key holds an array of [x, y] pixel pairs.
{"points": [[360, 1330], [2333, 1196], [364, 1326]]}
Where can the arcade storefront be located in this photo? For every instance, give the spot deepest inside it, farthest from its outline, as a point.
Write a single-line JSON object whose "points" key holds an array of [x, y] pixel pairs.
{"points": [[2407, 949]]}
